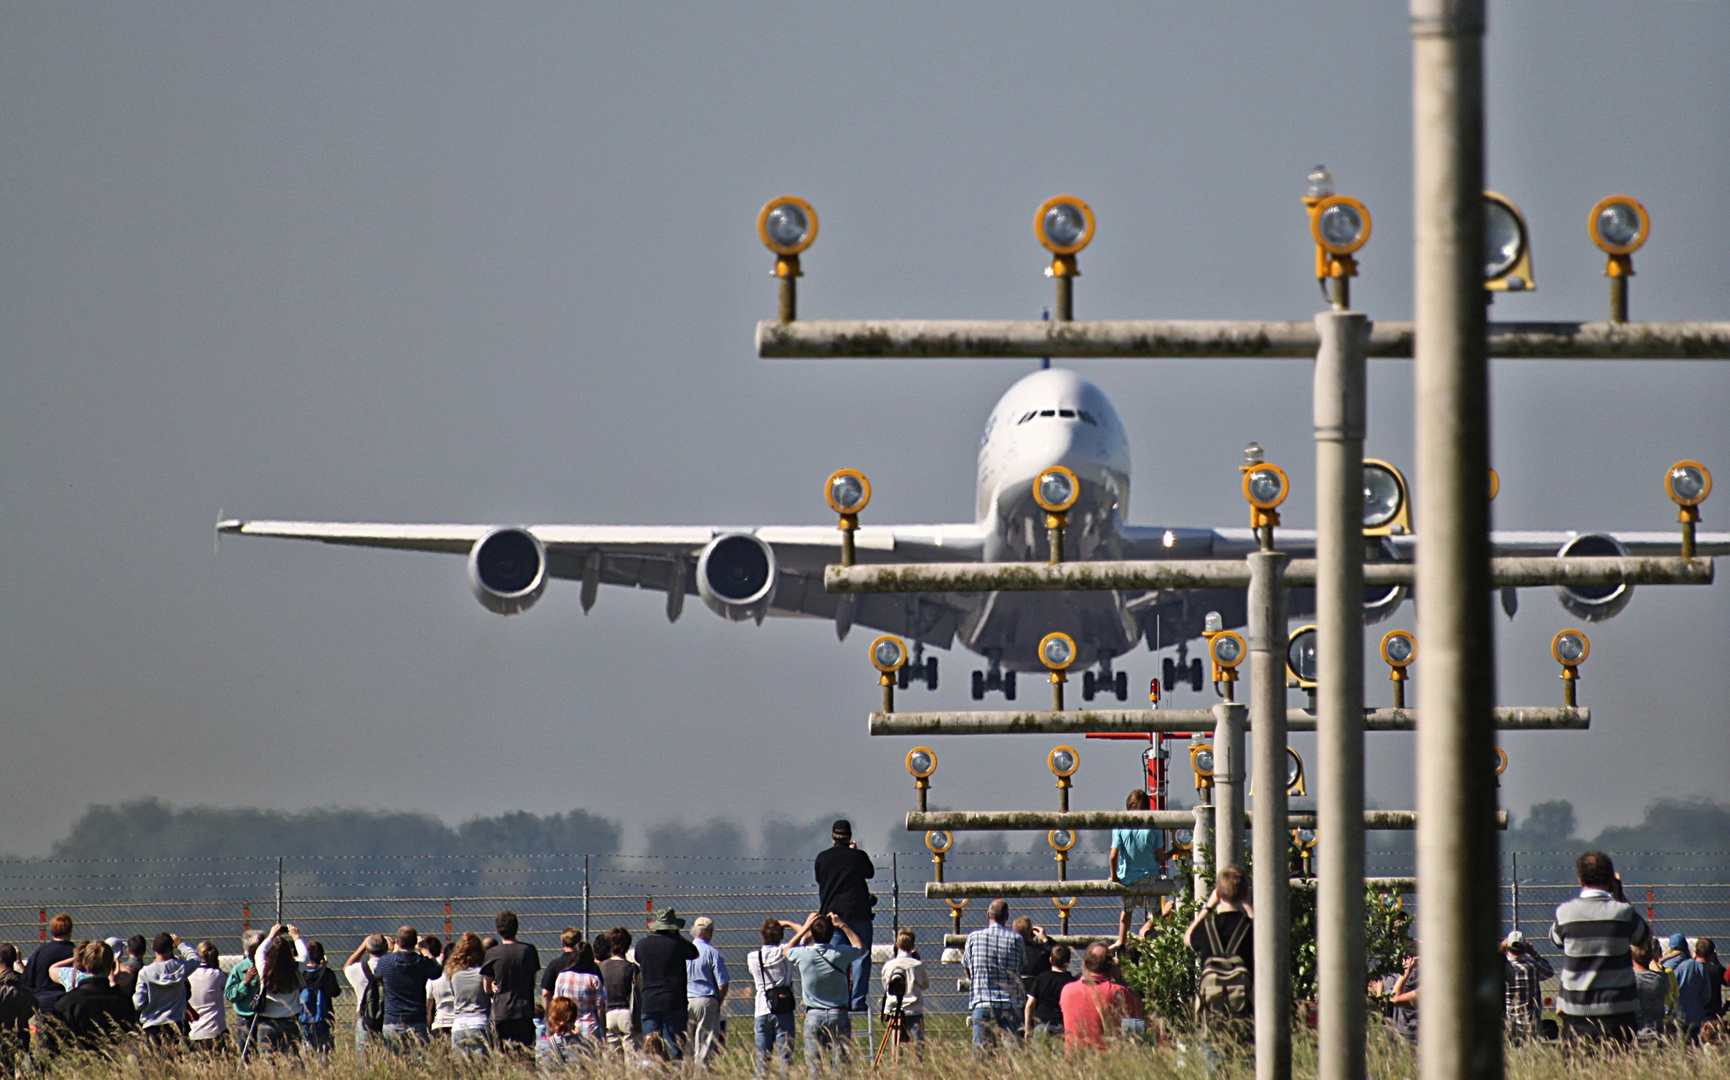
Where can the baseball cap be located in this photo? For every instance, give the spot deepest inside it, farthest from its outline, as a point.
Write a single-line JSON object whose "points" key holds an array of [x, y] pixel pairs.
{"points": [[1516, 937], [1678, 941], [842, 827]]}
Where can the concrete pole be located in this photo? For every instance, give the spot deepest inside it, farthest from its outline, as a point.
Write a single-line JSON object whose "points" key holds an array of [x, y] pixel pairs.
{"points": [[1461, 1024], [1271, 824], [1339, 436], [1228, 777], [1202, 839]]}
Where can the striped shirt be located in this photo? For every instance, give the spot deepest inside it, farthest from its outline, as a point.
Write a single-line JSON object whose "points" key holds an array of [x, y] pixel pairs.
{"points": [[993, 959], [1594, 931]]}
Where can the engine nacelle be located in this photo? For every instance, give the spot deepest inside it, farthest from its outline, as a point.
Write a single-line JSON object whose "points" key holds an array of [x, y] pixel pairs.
{"points": [[1381, 601], [1594, 603], [736, 576], [508, 570]]}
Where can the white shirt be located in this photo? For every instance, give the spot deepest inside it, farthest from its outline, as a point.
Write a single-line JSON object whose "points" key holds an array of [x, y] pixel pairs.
{"points": [[206, 984], [770, 963], [438, 991], [285, 1005], [917, 980]]}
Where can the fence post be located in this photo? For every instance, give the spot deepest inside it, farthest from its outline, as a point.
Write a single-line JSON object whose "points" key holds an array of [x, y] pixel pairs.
{"points": [[279, 890], [245, 917], [585, 896], [447, 921], [42, 917], [895, 887], [1514, 869], [648, 910]]}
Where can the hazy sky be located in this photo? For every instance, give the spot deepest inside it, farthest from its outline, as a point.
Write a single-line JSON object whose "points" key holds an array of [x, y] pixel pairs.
{"points": [[498, 264]]}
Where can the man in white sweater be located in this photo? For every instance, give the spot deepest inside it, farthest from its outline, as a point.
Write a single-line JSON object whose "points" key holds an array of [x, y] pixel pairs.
{"points": [[161, 995]]}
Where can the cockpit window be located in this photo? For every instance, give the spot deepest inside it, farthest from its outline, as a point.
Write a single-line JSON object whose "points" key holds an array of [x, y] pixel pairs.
{"points": [[1067, 412], [1027, 417], [1047, 412], [1086, 417]]}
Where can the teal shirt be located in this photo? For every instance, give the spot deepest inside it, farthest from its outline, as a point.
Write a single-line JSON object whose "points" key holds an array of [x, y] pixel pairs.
{"points": [[1137, 853], [823, 974]]}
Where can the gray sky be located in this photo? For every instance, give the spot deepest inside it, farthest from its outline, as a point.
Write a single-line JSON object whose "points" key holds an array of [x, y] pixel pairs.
{"points": [[435, 264]]}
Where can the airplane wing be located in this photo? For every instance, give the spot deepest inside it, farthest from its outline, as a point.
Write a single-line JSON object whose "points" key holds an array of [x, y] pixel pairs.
{"points": [[666, 558]]}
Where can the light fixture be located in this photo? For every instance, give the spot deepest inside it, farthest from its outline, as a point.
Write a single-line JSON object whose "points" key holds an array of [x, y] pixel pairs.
{"points": [[1399, 649], [787, 226], [1339, 225], [1055, 490], [938, 842], [1387, 499], [1057, 652], [1201, 761], [1063, 761], [847, 492], [921, 763], [1688, 483], [1300, 657], [888, 655], [1507, 246], [1226, 649], [1501, 761], [1570, 648], [1064, 225], [1294, 773], [1495, 485], [1619, 226], [1264, 487]]}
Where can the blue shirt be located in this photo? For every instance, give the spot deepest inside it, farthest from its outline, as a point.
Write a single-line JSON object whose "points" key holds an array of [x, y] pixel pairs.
{"points": [[1693, 991], [705, 975], [993, 959], [823, 974], [1137, 853]]}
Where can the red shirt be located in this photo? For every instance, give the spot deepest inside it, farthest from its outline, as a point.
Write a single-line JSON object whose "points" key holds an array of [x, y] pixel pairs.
{"points": [[1088, 1004]]}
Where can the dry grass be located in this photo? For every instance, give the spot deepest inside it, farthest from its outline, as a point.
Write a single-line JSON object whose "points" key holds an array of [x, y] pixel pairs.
{"points": [[944, 1060]]}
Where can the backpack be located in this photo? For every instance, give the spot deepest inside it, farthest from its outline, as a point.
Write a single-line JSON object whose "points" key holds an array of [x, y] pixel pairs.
{"points": [[371, 1007], [1226, 990]]}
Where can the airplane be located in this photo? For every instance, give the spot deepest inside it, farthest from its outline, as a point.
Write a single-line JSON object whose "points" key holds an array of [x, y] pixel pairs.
{"points": [[1050, 417]]}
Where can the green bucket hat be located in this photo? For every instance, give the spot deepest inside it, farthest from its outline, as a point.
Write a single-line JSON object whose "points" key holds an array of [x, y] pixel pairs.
{"points": [[666, 919]]}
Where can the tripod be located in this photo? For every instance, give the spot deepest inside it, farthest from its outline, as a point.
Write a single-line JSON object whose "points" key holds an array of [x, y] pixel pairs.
{"points": [[894, 1028]]}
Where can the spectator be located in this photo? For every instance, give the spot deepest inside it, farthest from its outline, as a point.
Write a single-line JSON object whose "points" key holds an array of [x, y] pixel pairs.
{"points": [[992, 957], [432, 947], [1403, 996], [239, 989], [1523, 975], [1652, 989], [128, 965], [775, 999], [1097, 1002], [915, 979], [470, 1005], [404, 972], [1134, 858], [842, 871], [277, 966], [1036, 952], [17, 1006], [568, 942], [209, 1029], [823, 986], [1693, 993], [1675, 952], [1714, 976], [1044, 1013], [510, 969], [561, 1047], [58, 947], [1222, 935], [661, 957], [489, 942], [1599, 998], [319, 990], [160, 990], [706, 982], [94, 1012], [582, 983], [619, 976], [361, 971]]}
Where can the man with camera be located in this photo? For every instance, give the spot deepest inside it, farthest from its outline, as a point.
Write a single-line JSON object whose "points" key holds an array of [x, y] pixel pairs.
{"points": [[904, 977], [1523, 987]]}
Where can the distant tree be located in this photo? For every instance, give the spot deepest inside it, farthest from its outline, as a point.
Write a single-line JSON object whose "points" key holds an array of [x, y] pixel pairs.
{"points": [[785, 839], [716, 837], [521, 833], [1548, 826]]}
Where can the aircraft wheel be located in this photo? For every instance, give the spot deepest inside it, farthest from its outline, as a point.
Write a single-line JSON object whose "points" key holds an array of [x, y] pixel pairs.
{"points": [[1009, 686], [1088, 685], [903, 677], [979, 686], [1196, 681], [1170, 675], [1123, 686], [931, 673]]}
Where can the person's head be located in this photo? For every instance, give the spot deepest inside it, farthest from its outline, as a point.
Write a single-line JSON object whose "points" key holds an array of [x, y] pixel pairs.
{"points": [[209, 955], [8, 956], [1595, 870], [585, 959], [1060, 958], [135, 946], [489, 942], [432, 946], [1097, 959], [822, 930], [1024, 927], [249, 941], [377, 945], [841, 832], [281, 966], [703, 928], [60, 927], [603, 946], [1136, 800], [163, 946], [315, 953], [570, 939], [1705, 948], [773, 931], [506, 924], [998, 912], [1677, 943], [466, 953], [621, 938], [99, 959], [905, 940], [562, 1016], [406, 937], [1515, 942], [1232, 884], [1641, 955]]}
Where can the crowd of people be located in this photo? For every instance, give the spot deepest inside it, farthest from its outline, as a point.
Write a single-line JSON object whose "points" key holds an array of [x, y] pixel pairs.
{"points": [[661, 996]]}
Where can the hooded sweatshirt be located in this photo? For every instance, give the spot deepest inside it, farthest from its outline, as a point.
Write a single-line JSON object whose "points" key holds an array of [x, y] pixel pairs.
{"points": [[162, 991]]}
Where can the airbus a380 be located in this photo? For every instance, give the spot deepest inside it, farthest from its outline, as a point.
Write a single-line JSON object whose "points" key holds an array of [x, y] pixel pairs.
{"points": [[1051, 417]]}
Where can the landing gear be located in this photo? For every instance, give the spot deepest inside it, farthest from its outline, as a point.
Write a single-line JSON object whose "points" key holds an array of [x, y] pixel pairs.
{"points": [[1105, 682], [1177, 672], [918, 670], [990, 681]]}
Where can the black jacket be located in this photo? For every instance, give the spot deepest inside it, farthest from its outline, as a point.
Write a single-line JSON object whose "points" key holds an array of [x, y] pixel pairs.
{"points": [[94, 1011], [17, 1004], [36, 977], [841, 888]]}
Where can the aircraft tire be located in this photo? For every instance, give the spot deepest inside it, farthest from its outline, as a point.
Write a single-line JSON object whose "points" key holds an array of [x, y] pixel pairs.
{"points": [[979, 686], [1123, 686], [931, 673], [1195, 676], [1089, 686], [1009, 686]]}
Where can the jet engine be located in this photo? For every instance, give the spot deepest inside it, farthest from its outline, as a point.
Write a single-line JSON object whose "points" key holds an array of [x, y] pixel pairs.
{"points": [[1594, 603], [508, 570], [736, 576]]}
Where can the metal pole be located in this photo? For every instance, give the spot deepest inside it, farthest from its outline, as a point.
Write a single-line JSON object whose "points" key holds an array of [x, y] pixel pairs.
{"points": [[1267, 640], [1201, 839], [1461, 1021], [1339, 437], [895, 887], [279, 890], [1228, 777], [1514, 870], [585, 896]]}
